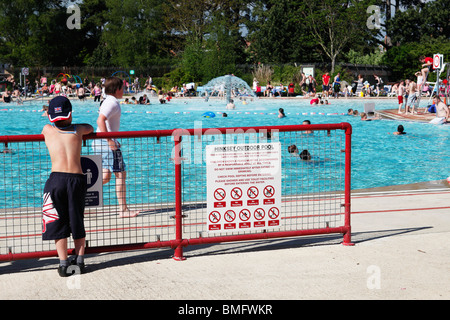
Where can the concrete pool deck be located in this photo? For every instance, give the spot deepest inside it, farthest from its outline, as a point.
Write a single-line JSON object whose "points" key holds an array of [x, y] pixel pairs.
{"points": [[393, 114], [401, 251]]}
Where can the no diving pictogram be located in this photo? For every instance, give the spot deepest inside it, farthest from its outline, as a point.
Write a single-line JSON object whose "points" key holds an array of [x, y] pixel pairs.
{"points": [[259, 214], [252, 192], [219, 194], [236, 193], [230, 215], [269, 191], [214, 217], [273, 213], [244, 215]]}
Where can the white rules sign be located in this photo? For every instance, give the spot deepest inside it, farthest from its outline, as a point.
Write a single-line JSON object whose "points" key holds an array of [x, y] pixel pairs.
{"points": [[243, 187]]}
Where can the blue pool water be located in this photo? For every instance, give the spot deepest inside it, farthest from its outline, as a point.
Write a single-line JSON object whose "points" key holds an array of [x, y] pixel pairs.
{"points": [[378, 158]]}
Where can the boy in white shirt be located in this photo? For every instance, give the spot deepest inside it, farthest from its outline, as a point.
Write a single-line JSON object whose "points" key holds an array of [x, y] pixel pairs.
{"points": [[109, 121]]}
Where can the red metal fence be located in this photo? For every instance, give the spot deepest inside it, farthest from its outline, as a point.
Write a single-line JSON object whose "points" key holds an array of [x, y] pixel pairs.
{"points": [[167, 180]]}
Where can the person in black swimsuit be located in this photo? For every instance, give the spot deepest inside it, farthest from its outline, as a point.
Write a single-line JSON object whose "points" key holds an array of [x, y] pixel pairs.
{"points": [[6, 96]]}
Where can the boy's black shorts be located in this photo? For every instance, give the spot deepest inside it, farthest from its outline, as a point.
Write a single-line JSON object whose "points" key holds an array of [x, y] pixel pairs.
{"points": [[63, 206]]}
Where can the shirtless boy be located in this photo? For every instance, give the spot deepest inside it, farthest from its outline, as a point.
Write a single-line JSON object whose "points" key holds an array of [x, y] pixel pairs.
{"points": [[427, 66], [412, 97], [401, 92], [57, 88], [442, 111], [65, 189]]}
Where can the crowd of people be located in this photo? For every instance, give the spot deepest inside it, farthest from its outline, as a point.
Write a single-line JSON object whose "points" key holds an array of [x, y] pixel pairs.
{"points": [[71, 87], [331, 87], [408, 92]]}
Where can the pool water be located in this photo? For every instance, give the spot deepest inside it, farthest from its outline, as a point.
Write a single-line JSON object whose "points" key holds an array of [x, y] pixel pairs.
{"points": [[379, 158]]}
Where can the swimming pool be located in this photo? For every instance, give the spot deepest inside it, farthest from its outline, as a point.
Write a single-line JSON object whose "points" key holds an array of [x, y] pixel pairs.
{"points": [[378, 158]]}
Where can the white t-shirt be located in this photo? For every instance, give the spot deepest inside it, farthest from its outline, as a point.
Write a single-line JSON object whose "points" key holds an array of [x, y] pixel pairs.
{"points": [[110, 108]]}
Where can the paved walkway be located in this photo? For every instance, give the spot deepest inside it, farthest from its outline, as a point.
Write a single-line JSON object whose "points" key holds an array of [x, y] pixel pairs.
{"points": [[401, 252]]}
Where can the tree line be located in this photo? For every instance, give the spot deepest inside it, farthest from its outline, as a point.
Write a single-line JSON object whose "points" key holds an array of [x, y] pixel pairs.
{"points": [[202, 39]]}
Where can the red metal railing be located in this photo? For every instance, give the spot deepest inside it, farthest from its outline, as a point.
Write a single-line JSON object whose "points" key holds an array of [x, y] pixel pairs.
{"points": [[308, 209]]}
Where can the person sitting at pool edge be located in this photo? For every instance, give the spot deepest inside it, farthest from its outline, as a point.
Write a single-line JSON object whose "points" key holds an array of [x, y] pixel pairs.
{"points": [[442, 112]]}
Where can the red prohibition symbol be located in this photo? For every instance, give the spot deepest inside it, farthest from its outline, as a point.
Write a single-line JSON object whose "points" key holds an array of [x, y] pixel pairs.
{"points": [[219, 194], [214, 217], [273, 213], [236, 193], [244, 215], [259, 214], [230, 215], [269, 191], [252, 192]]}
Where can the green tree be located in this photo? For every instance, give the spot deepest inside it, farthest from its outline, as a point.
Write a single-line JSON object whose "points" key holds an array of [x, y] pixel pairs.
{"points": [[421, 30], [373, 58], [131, 34], [92, 22], [207, 35], [404, 60], [335, 24], [192, 60], [277, 34], [429, 20], [35, 33], [221, 46]]}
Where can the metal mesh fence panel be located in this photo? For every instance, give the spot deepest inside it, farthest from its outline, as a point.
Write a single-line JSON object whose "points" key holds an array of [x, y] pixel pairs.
{"points": [[314, 189]]}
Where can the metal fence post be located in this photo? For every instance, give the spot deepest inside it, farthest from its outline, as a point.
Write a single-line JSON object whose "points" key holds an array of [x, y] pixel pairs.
{"points": [[347, 187], [178, 254]]}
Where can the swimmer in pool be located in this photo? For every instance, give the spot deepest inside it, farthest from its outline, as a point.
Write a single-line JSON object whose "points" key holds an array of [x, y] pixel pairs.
{"points": [[304, 155], [293, 149], [364, 117], [306, 122], [231, 105], [400, 130]]}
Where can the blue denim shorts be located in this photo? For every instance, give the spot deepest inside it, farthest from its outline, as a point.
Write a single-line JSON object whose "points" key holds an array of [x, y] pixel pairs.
{"points": [[112, 160]]}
